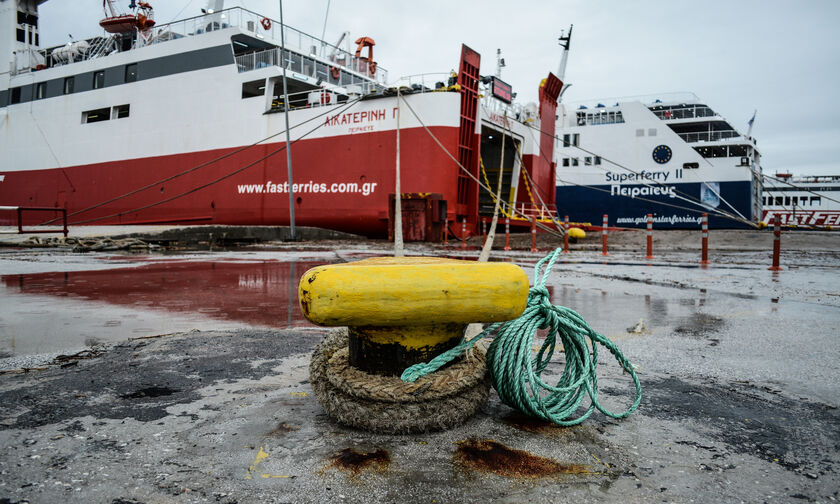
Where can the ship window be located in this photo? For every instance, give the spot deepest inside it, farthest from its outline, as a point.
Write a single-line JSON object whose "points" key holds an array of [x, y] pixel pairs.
{"points": [[21, 17], [574, 161], [691, 165], [92, 116], [576, 140], [787, 200], [37, 40], [738, 151], [815, 200], [40, 90], [587, 160], [21, 35], [566, 140], [795, 200], [652, 132], [779, 200], [640, 132], [15, 98], [99, 79], [119, 112], [565, 161], [597, 160], [68, 85], [131, 72], [253, 88]]}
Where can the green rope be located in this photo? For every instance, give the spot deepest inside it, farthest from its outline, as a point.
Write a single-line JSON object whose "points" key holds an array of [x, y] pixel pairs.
{"points": [[516, 375]]}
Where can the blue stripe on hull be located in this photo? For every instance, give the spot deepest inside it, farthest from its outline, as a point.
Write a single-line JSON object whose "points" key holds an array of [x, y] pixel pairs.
{"points": [[589, 204]]}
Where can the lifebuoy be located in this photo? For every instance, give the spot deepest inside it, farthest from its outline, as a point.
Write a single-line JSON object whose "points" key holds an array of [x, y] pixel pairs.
{"points": [[372, 68], [266, 23], [335, 72]]}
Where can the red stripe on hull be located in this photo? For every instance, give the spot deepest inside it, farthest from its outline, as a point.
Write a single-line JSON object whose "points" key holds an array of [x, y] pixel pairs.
{"points": [[319, 166]]}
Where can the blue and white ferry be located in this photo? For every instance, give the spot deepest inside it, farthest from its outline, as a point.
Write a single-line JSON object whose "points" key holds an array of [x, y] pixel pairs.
{"points": [[670, 155]]}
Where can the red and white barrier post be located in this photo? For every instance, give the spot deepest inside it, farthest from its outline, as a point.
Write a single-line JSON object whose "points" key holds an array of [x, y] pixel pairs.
{"points": [[604, 235], [566, 235], [533, 234], [649, 237], [446, 230], [507, 233], [704, 255], [463, 232], [777, 243]]}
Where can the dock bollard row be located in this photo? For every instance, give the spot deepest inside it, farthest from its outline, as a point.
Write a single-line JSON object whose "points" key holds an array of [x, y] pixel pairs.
{"points": [[604, 235], [533, 234], [463, 232], [777, 243], [446, 230]]}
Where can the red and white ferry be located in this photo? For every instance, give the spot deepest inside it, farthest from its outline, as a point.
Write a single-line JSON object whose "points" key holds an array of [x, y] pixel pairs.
{"points": [[184, 123], [802, 200]]}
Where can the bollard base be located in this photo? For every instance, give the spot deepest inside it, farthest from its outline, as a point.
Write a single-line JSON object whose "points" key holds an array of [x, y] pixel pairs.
{"points": [[386, 404], [388, 351]]}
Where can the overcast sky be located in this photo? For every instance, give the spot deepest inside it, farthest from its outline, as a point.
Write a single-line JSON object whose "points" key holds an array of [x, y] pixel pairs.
{"points": [[780, 57]]}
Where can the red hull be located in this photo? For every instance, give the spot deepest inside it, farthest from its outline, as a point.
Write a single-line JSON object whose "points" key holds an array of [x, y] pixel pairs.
{"points": [[334, 172]]}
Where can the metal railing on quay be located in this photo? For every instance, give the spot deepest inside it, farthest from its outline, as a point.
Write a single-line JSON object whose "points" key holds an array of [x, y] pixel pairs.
{"points": [[19, 211]]}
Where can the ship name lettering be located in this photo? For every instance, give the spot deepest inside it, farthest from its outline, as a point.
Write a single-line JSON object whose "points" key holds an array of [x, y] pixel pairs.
{"points": [[365, 116], [633, 191], [642, 175]]}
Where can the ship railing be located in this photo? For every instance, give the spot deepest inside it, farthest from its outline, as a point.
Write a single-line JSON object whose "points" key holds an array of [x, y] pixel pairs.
{"points": [[234, 17], [528, 211], [687, 112], [307, 66], [709, 136], [649, 99], [425, 82], [19, 211], [513, 111]]}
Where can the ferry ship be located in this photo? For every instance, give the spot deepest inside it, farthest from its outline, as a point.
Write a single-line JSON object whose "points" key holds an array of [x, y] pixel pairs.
{"points": [[802, 200], [185, 122], [671, 155]]}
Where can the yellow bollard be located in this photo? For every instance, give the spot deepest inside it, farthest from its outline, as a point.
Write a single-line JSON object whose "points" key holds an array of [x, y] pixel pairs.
{"points": [[406, 310]]}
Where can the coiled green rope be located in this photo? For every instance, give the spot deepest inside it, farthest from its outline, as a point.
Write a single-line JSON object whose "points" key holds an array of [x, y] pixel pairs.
{"points": [[516, 375]]}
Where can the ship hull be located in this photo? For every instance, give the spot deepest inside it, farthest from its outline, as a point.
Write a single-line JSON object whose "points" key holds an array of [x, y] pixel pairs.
{"points": [[629, 205], [340, 183]]}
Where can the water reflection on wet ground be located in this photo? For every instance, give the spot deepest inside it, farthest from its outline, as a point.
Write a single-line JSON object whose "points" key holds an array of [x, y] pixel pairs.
{"points": [[61, 311]]}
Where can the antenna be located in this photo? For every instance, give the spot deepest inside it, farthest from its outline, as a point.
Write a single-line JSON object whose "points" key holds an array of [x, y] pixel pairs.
{"points": [[565, 41], [500, 63]]}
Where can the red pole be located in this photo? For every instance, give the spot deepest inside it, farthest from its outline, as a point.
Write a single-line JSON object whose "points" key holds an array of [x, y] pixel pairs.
{"points": [[20, 220], [64, 216], [777, 243], [649, 237], [704, 258], [533, 234], [507, 233], [463, 232], [604, 235], [446, 230], [566, 235]]}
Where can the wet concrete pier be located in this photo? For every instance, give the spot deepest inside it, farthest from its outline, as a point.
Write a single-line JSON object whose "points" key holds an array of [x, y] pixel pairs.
{"points": [[183, 377]]}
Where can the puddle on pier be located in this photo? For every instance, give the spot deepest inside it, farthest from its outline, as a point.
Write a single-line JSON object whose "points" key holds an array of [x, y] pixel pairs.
{"points": [[65, 311]]}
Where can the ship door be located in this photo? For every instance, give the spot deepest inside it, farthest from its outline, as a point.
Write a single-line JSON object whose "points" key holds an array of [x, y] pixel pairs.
{"points": [[491, 168]]}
